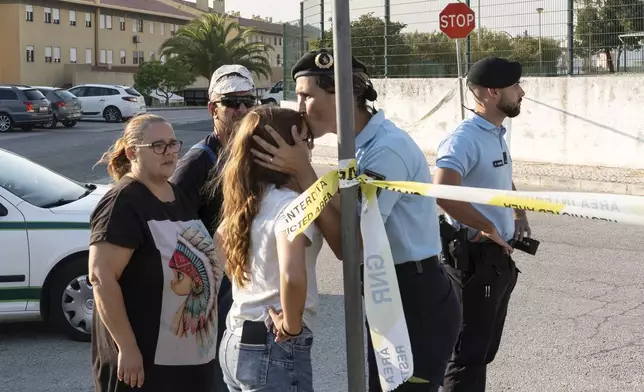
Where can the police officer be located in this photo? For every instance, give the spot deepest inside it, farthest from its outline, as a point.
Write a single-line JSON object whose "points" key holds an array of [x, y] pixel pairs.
{"points": [[231, 94], [478, 256], [385, 152]]}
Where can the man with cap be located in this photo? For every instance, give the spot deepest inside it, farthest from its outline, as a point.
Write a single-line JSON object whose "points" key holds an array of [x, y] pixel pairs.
{"points": [[475, 155], [230, 95], [385, 152]]}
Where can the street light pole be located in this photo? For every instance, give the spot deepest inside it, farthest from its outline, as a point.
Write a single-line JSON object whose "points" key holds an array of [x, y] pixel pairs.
{"points": [[539, 11]]}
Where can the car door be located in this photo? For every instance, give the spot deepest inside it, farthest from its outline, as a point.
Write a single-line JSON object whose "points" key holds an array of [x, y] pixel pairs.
{"points": [[14, 259], [90, 100]]}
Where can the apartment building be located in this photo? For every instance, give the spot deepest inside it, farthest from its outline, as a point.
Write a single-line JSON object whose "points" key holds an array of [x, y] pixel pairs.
{"points": [[68, 42]]}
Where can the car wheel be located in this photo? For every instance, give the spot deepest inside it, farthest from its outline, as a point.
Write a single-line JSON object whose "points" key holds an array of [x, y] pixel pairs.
{"points": [[52, 123], [6, 122], [69, 124], [112, 114], [71, 301]]}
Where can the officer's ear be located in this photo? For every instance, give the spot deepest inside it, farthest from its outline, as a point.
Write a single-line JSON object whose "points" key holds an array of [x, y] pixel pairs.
{"points": [[494, 92]]}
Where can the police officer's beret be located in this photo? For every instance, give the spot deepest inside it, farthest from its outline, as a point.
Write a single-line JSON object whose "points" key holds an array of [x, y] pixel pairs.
{"points": [[321, 62], [494, 72]]}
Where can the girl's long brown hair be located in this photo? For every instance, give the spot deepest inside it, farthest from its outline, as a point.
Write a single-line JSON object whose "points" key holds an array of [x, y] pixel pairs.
{"points": [[244, 182]]}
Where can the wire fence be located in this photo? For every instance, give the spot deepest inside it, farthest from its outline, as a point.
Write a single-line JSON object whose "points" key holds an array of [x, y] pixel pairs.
{"points": [[401, 38]]}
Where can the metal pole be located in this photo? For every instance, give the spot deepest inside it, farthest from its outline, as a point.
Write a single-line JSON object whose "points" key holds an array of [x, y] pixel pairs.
{"points": [[353, 312], [301, 28], [571, 33], [468, 45], [460, 77], [322, 43], [539, 11], [478, 30], [387, 23]]}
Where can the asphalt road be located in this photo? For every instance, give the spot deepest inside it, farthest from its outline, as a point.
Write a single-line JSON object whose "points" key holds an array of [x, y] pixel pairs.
{"points": [[576, 321]]}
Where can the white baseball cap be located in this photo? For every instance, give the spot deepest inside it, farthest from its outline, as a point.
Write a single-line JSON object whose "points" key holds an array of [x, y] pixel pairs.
{"points": [[230, 79]]}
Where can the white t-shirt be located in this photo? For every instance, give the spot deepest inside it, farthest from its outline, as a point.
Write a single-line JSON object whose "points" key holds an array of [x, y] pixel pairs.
{"points": [[263, 290]]}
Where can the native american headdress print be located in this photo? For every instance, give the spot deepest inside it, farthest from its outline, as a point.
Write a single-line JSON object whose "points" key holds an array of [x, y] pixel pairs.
{"points": [[195, 257]]}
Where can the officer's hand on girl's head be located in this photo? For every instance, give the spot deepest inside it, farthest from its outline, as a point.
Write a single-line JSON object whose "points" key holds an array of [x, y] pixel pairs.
{"points": [[283, 158]]}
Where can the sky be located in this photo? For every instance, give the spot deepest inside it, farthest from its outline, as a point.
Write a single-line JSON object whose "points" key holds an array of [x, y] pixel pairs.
{"points": [[511, 16]]}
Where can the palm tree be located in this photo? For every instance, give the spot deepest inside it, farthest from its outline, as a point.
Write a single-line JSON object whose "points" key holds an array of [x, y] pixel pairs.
{"points": [[214, 40]]}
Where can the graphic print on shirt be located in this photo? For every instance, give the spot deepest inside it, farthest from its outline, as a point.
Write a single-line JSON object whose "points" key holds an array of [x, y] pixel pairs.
{"points": [[192, 274]]}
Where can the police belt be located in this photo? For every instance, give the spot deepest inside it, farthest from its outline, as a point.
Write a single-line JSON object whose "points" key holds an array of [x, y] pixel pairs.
{"points": [[408, 267]]}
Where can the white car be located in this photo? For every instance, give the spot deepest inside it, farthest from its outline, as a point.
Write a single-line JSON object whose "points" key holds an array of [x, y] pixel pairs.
{"points": [[44, 237], [114, 103]]}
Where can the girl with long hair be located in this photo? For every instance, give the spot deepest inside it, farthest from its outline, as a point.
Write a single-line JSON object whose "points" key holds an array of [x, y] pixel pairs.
{"points": [[275, 296]]}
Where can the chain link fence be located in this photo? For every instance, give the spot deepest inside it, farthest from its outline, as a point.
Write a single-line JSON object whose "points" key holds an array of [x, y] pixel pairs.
{"points": [[402, 39]]}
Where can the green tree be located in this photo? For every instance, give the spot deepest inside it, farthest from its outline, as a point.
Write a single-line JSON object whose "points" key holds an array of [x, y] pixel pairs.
{"points": [[214, 40], [600, 24], [163, 78], [368, 45]]}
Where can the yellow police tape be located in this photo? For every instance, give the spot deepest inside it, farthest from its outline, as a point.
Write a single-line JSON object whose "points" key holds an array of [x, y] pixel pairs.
{"points": [[383, 305]]}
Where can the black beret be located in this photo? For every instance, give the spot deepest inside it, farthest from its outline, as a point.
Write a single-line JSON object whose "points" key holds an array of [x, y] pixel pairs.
{"points": [[494, 72], [321, 62]]}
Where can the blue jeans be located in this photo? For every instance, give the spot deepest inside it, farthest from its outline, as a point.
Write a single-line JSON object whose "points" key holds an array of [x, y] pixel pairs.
{"points": [[269, 367]]}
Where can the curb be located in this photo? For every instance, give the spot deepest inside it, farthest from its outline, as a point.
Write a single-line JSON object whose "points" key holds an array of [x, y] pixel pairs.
{"points": [[550, 183], [175, 108]]}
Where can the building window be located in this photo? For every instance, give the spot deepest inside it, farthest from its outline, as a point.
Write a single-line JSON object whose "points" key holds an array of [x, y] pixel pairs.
{"points": [[279, 59], [108, 22], [139, 25], [172, 28], [47, 15], [56, 16], [72, 55], [48, 58], [162, 28], [280, 41], [30, 54], [122, 24], [151, 27], [138, 57], [72, 18], [88, 19], [29, 13], [101, 22], [152, 56], [123, 57], [88, 56], [56, 54], [109, 56], [103, 56]]}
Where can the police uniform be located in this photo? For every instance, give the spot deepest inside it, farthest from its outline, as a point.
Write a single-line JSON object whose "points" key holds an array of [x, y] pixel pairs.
{"points": [[477, 151], [430, 303]]}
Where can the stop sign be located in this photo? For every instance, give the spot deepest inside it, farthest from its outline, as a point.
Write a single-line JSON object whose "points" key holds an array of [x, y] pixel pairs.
{"points": [[457, 20]]}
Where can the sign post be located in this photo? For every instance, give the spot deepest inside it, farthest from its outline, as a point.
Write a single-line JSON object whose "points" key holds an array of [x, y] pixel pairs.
{"points": [[457, 22], [353, 312]]}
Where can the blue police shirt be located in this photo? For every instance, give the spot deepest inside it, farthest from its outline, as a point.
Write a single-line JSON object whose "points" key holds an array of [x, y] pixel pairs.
{"points": [[386, 152], [477, 151]]}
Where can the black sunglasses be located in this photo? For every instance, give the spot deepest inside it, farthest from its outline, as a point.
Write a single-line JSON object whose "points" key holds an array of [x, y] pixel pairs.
{"points": [[249, 101]]}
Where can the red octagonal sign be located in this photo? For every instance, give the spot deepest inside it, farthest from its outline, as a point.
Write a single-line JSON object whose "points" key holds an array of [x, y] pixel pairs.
{"points": [[457, 20]]}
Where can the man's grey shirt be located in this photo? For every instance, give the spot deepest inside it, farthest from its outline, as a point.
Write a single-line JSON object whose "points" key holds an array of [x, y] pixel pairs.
{"points": [[477, 151]]}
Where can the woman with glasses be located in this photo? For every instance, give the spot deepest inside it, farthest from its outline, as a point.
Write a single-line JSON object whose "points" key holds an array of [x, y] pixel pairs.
{"points": [[153, 268], [269, 329]]}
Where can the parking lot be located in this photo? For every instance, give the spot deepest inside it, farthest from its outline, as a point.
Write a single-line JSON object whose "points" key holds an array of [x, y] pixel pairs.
{"points": [[576, 320]]}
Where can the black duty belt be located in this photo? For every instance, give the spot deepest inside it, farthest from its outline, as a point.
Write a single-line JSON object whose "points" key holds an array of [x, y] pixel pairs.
{"points": [[417, 266]]}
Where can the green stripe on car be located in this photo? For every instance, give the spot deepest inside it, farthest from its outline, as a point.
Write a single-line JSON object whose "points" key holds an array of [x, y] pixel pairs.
{"points": [[16, 294], [36, 225]]}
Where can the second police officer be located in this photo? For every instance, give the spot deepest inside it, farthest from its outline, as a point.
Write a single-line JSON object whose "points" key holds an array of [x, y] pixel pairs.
{"points": [[383, 151], [475, 154]]}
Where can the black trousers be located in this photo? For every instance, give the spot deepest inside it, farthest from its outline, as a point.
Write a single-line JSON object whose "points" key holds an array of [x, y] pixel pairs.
{"points": [[433, 315], [484, 291], [225, 301]]}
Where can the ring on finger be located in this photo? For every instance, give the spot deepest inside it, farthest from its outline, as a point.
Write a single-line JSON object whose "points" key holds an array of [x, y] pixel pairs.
{"points": [[272, 159]]}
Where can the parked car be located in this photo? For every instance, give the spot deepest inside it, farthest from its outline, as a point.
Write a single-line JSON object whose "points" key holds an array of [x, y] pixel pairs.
{"points": [[112, 102], [44, 226], [65, 106], [23, 107]]}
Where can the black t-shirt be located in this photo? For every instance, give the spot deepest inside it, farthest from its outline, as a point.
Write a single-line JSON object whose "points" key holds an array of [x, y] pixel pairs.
{"points": [[169, 289], [192, 173]]}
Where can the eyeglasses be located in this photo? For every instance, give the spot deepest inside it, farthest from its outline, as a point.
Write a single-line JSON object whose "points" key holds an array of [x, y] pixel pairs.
{"points": [[235, 102], [161, 147]]}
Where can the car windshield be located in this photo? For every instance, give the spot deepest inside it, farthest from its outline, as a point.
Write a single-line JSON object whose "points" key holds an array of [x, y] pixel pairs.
{"points": [[64, 94], [33, 95], [36, 184]]}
